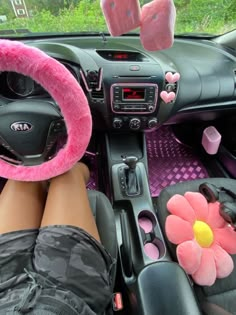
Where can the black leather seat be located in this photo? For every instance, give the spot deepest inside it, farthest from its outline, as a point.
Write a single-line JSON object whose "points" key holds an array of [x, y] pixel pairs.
{"points": [[105, 220], [219, 299]]}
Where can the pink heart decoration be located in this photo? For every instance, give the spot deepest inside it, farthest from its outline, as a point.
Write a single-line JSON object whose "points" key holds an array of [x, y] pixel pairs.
{"points": [[167, 97], [172, 78]]}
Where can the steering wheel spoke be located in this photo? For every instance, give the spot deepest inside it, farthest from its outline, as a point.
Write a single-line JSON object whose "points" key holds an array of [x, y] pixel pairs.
{"points": [[29, 130]]}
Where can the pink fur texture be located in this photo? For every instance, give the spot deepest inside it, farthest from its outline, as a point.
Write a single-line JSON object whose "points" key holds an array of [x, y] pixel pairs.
{"points": [[157, 25], [121, 16], [157, 21], [204, 264], [65, 90]]}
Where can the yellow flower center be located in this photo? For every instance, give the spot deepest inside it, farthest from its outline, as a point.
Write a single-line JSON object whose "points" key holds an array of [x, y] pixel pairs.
{"points": [[203, 234]]}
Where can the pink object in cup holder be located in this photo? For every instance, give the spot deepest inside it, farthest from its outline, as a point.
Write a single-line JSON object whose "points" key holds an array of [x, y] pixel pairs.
{"points": [[146, 224], [153, 247], [152, 251], [146, 221]]}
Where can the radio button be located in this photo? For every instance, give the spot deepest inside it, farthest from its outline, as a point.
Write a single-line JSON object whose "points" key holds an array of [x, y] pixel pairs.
{"points": [[116, 107], [117, 123], [135, 123], [150, 108]]}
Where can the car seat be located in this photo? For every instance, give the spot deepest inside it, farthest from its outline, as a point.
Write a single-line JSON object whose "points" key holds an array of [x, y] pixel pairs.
{"points": [[220, 298], [105, 221]]}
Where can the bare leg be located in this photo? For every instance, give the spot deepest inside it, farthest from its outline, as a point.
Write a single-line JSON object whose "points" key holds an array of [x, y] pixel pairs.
{"points": [[21, 206], [67, 202]]}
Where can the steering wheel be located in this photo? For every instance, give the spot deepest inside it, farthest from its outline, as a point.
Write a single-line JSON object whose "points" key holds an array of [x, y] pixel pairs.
{"points": [[30, 129]]}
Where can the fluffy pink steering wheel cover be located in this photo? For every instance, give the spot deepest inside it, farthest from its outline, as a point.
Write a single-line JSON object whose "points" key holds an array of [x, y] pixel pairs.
{"points": [[65, 90]]}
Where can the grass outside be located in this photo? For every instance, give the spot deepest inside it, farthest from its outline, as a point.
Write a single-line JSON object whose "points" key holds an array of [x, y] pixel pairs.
{"points": [[88, 18]]}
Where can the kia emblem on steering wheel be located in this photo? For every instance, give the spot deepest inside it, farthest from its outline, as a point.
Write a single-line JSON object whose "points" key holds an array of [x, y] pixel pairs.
{"points": [[21, 126]]}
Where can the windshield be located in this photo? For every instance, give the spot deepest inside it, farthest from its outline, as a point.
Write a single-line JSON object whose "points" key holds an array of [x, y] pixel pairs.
{"points": [[25, 17]]}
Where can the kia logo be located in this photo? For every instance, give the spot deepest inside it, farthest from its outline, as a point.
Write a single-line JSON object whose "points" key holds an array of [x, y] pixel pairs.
{"points": [[21, 126]]}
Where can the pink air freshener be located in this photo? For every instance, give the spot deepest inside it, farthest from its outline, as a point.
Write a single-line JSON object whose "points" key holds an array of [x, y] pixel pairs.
{"points": [[211, 139], [121, 16], [157, 25]]}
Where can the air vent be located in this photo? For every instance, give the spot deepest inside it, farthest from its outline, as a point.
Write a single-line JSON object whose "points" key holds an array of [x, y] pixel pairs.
{"points": [[171, 87], [97, 94]]}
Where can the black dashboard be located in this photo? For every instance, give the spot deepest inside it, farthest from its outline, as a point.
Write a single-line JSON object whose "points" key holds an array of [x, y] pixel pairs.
{"points": [[123, 82]]}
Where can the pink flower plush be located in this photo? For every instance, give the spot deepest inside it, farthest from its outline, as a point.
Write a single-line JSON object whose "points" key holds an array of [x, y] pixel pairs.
{"points": [[204, 239]]}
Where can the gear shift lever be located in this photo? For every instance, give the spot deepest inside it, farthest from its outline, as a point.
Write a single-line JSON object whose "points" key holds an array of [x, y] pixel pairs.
{"points": [[132, 184], [130, 161]]}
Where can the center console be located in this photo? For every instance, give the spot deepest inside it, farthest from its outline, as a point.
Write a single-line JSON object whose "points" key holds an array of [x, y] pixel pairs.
{"points": [[132, 202], [131, 91], [156, 284]]}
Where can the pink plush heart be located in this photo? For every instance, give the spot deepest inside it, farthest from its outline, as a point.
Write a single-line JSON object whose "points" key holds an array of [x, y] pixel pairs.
{"points": [[172, 78], [167, 97]]}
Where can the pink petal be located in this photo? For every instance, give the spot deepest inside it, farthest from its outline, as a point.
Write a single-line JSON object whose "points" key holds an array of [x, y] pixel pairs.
{"points": [[214, 219], [223, 261], [206, 274], [226, 238], [199, 204], [189, 256], [180, 206], [178, 230]]}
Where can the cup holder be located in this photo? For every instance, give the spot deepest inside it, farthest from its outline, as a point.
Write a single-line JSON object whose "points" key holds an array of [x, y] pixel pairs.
{"points": [[153, 247], [147, 221]]}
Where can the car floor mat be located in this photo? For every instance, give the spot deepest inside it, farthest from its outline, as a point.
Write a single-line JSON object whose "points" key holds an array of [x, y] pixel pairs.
{"points": [[169, 161]]}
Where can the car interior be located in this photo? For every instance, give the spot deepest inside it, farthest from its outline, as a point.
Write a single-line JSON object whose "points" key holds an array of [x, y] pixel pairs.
{"points": [[146, 146]]}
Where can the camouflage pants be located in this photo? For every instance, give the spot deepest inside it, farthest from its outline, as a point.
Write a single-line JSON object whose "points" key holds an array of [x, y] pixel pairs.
{"points": [[64, 254]]}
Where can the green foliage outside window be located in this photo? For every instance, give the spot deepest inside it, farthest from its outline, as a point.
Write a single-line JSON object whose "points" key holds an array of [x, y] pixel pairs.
{"points": [[193, 16]]}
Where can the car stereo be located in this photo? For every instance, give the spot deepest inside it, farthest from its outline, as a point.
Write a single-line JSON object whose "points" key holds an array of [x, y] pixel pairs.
{"points": [[134, 98]]}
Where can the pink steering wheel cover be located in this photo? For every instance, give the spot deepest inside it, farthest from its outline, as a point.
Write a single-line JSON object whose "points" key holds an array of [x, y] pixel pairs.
{"points": [[66, 91]]}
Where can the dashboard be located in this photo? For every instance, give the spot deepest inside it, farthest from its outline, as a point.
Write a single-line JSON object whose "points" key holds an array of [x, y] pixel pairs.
{"points": [[123, 82]]}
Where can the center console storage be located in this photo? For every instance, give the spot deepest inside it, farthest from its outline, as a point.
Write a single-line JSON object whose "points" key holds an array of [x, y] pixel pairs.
{"points": [[164, 288], [140, 239]]}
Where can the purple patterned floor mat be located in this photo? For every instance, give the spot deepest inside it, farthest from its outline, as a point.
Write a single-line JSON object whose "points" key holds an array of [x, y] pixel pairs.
{"points": [[170, 162]]}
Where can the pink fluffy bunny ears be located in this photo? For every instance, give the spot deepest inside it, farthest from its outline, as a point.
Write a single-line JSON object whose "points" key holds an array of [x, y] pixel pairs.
{"points": [[65, 90], [204, 240], [156, 21]]}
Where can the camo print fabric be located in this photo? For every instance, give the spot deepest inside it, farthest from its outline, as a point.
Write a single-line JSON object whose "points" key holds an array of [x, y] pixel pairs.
{"points": [[66, 256]]}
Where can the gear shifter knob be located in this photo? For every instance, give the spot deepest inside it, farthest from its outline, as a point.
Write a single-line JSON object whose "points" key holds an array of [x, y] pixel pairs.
{"points": [[131, 161]]}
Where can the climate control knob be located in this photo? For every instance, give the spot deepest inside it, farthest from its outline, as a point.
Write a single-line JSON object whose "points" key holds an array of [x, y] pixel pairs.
{"points": [[152, 123], [117, 123], [135, 123]]}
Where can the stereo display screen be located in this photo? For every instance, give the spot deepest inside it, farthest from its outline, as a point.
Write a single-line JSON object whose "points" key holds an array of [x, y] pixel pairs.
{"points": [[133, 94]]}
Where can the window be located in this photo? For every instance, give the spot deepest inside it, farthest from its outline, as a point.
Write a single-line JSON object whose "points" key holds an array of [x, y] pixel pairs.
{"points": [[21, 12], [18, 2]]}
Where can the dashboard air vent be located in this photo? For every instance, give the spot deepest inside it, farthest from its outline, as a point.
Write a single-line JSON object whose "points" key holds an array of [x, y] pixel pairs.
{"points": [[97, 94], [171, 87]]}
